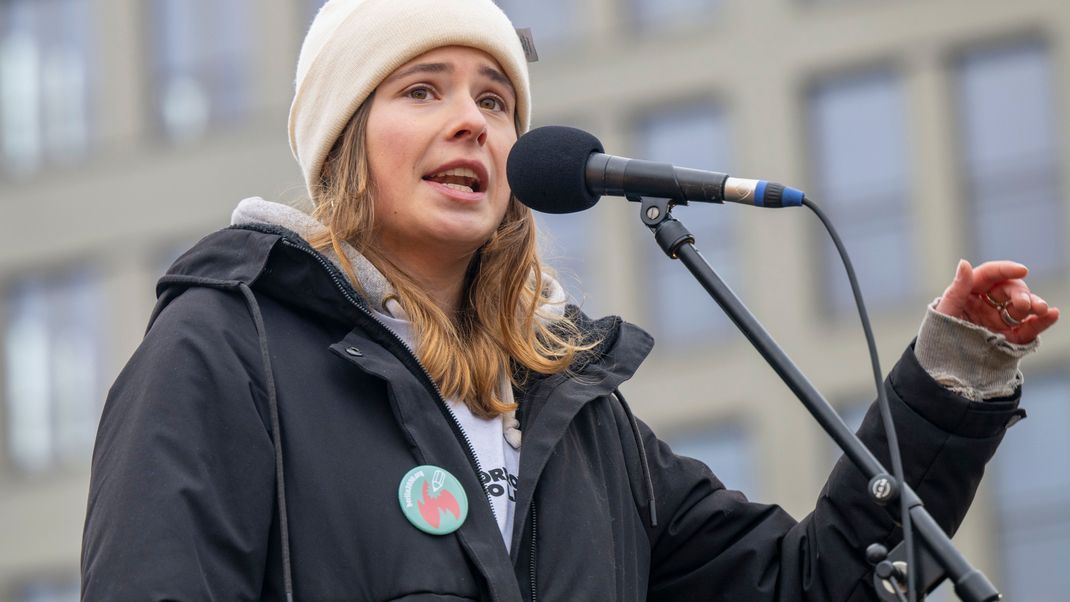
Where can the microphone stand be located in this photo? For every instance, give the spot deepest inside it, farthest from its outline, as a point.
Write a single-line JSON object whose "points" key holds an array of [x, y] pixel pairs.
{"points": [[970, 584]]}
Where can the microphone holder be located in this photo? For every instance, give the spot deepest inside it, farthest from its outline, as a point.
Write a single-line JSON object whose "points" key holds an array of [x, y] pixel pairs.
{"points": [[937, 556]]}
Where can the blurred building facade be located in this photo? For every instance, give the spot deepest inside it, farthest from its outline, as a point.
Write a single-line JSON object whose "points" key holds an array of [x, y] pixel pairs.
{"points": [[929, 130]]}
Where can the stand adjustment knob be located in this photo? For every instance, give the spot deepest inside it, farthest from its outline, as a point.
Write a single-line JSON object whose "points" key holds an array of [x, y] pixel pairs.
{"points": [[883, 489], [876, 553]]}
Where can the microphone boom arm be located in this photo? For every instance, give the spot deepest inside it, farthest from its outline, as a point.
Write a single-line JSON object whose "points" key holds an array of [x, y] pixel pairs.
{"points": [[678, 243]]}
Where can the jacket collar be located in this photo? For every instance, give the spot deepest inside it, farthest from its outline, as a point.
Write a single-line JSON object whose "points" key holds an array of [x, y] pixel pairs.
{"points": [[256, 211], [548, 405]]}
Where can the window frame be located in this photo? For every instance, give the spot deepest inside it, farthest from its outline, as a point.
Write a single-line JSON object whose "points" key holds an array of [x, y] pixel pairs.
{"points": [[829, 266], [83, 278], [969, 200], [723, 226]]}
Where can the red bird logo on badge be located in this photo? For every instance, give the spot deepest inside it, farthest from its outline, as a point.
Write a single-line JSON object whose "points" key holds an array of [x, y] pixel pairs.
{"points": [[431, 507]]}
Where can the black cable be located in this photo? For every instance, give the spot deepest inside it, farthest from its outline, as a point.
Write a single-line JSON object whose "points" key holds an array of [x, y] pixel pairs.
{"points": [[882, 401], [897, 589]]}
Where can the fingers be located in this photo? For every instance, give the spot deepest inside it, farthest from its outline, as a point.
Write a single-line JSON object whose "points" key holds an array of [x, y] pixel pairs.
{"points": [[955, 298], [990, 273], [1040, 306], [1022, 305], [981, 313], [1019, 300], [993, 295], [1015, 294], [1032, 326]]}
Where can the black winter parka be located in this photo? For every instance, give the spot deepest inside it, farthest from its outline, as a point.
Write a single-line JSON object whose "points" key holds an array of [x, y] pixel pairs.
{"points": [[263, 370]]}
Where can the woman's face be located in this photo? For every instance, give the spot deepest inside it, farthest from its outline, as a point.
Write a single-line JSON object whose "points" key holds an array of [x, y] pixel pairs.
{"points": [[439, 132]]}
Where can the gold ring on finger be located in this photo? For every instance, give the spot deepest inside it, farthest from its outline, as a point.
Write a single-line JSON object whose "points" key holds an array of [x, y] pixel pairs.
{"points": [[1008, 319], [991, 301]]}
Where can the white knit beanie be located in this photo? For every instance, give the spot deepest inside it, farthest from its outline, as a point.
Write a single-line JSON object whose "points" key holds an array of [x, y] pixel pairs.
{"points": [[353, 45]]}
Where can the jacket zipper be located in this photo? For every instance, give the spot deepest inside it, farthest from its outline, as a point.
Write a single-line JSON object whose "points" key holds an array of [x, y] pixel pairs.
{"points": [[531, 558], [443, 406]]}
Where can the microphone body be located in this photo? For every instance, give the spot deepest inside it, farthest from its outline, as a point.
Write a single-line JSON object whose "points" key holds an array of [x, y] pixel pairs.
{"points": [[556, 169], [618, 176]]}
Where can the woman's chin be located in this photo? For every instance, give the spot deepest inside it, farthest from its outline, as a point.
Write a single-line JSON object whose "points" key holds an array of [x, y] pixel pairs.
{"points": [[446, 241], [459, 241]]}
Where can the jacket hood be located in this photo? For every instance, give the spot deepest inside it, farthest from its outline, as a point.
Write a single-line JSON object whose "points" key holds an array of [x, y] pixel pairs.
{"points": [[257, 211], [271, 260]]}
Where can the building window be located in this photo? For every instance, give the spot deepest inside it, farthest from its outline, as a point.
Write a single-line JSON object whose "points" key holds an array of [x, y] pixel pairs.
{"points": [[44, 82], [726, 450], [662, 13], [1032, 494], [681, 311], [551, 21], [860, 150], [200, 67], [1010, 135], [48, 590], [53, 348]]}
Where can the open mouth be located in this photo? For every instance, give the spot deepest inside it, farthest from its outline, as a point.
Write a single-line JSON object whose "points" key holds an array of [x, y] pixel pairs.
{"points": [[461, 179]]}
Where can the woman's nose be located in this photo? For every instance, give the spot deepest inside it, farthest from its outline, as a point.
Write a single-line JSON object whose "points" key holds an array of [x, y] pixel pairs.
{"points": [[470, 122]]}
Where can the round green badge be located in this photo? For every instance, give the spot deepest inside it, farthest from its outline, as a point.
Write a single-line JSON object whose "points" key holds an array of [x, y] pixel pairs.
{"points": [[433, 500]]}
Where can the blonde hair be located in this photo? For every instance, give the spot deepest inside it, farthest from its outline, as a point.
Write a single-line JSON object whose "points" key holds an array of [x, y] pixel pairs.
{"points": [[501, 321]]}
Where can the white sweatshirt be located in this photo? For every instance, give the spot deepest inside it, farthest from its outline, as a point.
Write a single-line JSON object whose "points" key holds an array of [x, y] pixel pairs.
{"points": [[498, 460]]}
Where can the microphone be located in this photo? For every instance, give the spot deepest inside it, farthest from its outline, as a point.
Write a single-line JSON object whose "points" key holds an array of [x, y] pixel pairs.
{"points": [[558, 169]]}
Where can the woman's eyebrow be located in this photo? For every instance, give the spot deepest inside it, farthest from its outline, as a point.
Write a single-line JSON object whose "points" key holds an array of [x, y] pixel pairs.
{"points": [[421, 68], [497, 76], [485, 70]]}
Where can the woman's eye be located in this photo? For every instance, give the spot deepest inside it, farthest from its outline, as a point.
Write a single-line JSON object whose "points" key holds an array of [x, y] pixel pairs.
{"points": [[420, 93], [492, 103]]}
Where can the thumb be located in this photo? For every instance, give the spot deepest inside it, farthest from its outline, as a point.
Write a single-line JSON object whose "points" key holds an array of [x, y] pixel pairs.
{"points": [[953, 302]]}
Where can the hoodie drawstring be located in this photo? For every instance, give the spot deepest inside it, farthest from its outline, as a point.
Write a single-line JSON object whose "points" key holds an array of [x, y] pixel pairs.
{"points": [[276, 437], [273, 408]]}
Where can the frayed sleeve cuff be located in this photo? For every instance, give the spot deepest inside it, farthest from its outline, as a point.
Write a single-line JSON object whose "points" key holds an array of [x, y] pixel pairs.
{"points": [[968, 359]]}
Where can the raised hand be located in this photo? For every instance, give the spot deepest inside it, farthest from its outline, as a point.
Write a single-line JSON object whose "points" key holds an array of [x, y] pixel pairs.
{"points": [[994, 295]]}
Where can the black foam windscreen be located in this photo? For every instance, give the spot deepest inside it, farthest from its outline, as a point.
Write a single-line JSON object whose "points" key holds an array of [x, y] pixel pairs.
{"points": [[547, 169]]}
